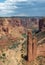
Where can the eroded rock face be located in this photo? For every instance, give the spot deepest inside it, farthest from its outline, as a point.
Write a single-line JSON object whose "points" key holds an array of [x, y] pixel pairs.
{"points": [[10, 56], [11, 40], [41, 50], [11, 25]]}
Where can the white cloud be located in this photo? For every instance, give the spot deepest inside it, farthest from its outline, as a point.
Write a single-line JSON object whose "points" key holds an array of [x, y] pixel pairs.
{"points": [[8, 6], [16, 0]]}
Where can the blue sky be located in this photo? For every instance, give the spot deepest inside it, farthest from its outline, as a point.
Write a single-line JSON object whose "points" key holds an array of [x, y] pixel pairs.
{"points": [[2, 0], [22, 8]]}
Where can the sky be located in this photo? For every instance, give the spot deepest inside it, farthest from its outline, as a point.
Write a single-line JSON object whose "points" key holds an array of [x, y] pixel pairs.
{"points": [[22, 8]]}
